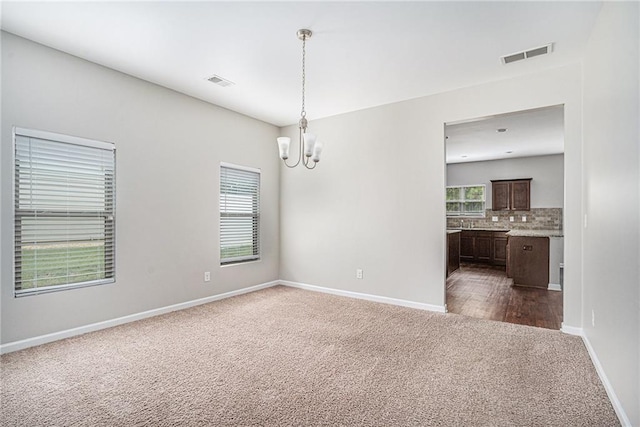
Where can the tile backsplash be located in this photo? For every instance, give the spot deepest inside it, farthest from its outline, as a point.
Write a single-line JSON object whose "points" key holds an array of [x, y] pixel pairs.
{"points": [[537, 219]]}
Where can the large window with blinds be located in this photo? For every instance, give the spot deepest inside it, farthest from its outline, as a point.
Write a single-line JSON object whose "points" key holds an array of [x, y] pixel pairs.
{"points": [[64, 212], [239, 214]]}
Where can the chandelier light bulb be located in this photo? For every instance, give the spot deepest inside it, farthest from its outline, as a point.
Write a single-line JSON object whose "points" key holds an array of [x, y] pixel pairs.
{"points": [[283, 145], [317, 150], [309, 143]]}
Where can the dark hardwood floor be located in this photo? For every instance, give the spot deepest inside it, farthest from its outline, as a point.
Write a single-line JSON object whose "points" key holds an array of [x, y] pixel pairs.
{"points": [[485, 292]]}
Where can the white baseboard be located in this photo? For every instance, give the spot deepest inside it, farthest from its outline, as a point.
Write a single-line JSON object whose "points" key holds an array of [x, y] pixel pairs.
{"points": [[615, 402], [368, 297], [571, 330], [554, 287], [43, 339]]}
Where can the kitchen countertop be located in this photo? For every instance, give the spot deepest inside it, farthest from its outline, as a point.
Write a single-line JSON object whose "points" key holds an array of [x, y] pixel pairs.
{"points": [[515, 233], [535, 233], [456, 230]]}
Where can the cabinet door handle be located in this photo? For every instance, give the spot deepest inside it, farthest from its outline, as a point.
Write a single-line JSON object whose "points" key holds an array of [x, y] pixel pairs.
{"points": [[527, 248]]}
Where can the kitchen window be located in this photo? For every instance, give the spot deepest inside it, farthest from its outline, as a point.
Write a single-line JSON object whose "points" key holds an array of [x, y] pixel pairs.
{"points": [[64, 216], [466, 201], [239, 214]]}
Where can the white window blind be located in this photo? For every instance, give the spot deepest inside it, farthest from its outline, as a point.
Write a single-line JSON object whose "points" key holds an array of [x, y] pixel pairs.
{"points": [[239, 214], [64, 212]]}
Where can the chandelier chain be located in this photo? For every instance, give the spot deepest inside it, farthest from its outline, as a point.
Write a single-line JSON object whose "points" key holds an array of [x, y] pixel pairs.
{"points": [[303, 113], [309, 151]]}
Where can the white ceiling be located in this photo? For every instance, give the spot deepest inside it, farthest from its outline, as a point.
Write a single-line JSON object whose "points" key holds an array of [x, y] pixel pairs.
{"points": [[528, 133], [362, 54]]}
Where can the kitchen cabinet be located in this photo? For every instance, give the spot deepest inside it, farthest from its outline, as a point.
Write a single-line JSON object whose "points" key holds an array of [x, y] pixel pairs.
{"points": [[453, 252], [466, 246], [482, 246], [528, 261], [511, 194], [477, 246], [499, 252]]}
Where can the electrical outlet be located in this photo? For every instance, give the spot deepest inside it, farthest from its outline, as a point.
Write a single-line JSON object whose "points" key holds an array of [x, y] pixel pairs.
{"points": [[593, 318], [359, 273], [494, 218], [207, 276], [524, 218], [511, 219]]}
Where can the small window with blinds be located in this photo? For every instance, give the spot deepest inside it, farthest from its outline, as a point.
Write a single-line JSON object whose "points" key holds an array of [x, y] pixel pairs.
{"points": [[63, 211], [239, 214], [466, 200]]}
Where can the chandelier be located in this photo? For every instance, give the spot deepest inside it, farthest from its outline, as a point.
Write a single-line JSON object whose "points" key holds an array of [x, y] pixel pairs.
{"points": [[307, 140]]}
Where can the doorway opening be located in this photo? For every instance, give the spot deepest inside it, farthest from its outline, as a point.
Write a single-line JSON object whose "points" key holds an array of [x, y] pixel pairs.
{"points": [[505, 204]]}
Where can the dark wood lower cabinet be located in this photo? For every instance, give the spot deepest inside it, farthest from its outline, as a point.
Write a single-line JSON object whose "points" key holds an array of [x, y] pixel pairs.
{"points": [[529, 261], [488, 247], [482, 246], [526, 258], [499, 248], [466, 246], [453, 252]]}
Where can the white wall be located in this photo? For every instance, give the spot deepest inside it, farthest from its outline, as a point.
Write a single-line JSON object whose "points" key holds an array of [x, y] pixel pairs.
{"points": [[169, 147], [376, 200], [547, 186], [612, 187]]}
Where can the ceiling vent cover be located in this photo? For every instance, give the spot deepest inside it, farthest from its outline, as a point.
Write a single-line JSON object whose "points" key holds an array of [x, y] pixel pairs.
{"points": [[220, 81], [530, 53]]}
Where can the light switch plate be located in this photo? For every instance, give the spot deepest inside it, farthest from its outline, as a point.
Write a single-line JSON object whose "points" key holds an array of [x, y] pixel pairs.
{"points": [[511, 219], [524, 219], [494, 218]]}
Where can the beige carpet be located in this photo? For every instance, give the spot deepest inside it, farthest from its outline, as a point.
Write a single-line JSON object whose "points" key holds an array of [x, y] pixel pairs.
{"points": [[284, 356]]}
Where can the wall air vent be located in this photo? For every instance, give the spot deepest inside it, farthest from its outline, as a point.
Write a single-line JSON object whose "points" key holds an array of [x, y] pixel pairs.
{"points": [[220, 81], [530, 53]]}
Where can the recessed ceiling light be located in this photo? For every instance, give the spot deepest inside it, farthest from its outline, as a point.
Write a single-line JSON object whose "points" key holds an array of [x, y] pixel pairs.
{"points": [[509, 152], [464, 157], [501, 130]]}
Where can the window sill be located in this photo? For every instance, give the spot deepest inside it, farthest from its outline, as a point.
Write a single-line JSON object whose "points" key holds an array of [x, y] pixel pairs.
{"points": [[59, 288], [233, 264]]}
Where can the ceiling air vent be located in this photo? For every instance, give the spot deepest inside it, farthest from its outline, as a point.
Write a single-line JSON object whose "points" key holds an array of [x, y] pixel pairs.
{"points": [[537, 51], [220, 81]]}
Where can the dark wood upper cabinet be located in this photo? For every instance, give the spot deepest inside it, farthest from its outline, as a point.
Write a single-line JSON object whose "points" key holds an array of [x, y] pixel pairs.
{"points": [[500, 197], [511, 194]]}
